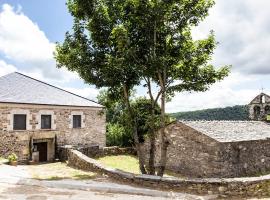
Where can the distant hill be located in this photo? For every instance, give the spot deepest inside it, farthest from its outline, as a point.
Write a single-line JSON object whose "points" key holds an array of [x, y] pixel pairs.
{"points": [[239, 112]]}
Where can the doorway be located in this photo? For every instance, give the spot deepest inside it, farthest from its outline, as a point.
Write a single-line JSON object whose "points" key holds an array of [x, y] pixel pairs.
{"points": [[42, 148]]}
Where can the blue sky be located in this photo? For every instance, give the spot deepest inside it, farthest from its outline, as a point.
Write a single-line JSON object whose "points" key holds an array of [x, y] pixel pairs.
{"points": [[30, 28]]}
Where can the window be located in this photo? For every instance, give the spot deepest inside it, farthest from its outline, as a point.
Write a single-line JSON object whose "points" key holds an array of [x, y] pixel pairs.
{"points": [[19, 122], [77, 121], [46, 121]]}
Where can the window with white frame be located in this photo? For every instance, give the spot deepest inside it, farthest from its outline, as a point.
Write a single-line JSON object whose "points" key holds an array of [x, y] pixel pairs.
{"points": [[46, 120], [19, 119], [77, 119]]}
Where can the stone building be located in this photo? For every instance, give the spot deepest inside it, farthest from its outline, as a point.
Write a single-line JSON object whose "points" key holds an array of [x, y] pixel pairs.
{"points": [[259, 107], [36, 117], [217, 148]]}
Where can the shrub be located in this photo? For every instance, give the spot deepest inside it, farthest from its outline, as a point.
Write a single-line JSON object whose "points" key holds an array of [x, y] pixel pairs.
{"points": [[12, 157], [117, 135]]}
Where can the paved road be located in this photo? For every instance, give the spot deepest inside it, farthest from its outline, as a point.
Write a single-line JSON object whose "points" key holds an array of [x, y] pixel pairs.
{"points": [[23, 192], [16, 183]]}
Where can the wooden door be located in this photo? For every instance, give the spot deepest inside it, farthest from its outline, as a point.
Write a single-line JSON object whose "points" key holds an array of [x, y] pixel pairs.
{"points": [[42, 149]]}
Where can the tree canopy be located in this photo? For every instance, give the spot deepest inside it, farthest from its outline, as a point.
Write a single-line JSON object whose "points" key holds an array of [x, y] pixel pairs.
{"points": [[118, 44]]}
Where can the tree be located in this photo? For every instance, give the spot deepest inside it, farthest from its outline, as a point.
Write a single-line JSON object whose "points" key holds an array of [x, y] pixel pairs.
{"points": [[99, 50], [118, 131], [118, 43], [167, 53]]}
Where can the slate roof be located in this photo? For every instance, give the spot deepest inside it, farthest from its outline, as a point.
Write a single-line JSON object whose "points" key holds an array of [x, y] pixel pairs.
{"points": [[232, 131], [19, 88]]}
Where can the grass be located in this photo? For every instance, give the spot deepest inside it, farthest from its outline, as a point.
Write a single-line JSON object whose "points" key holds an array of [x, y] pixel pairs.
{"points": [[58, 171], [123, 162], [130, 164]]}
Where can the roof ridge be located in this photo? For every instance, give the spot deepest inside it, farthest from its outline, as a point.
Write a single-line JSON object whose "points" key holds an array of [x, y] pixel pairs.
{"points": [[54, 87], [219, 121]]}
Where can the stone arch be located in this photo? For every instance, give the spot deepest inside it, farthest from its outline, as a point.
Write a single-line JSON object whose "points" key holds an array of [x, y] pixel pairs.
{"points": [[267, 109], [257, 112]]}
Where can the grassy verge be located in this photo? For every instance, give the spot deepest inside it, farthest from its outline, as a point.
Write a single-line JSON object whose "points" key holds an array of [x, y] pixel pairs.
{"points": [[129, 163], [123, 162], [57, 171]]}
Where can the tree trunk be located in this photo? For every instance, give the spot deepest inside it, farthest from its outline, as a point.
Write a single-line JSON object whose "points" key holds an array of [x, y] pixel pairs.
{"points": [[152, 153], [135, 132], [164, 140], [151, 164]]}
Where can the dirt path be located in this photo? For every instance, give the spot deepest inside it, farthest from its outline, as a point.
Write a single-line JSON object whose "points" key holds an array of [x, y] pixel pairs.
{"points": [[13, 174]]}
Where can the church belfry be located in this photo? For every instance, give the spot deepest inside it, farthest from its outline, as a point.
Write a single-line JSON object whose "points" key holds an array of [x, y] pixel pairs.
{"points": [[259, 108]]}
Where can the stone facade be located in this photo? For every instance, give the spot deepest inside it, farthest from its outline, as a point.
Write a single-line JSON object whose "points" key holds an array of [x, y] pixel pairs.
{"points": [[196, 154], [259, 107], [92, 131]]}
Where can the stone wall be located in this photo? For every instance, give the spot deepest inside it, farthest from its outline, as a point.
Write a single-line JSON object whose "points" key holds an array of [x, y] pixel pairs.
{"points": [[14, 143], [245, 158], [91, 133], [188, 153], [94, 151], [244, 187], [194, 154]]}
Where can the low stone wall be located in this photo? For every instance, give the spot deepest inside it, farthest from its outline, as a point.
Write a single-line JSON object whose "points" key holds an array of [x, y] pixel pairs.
{"points": [[249, 186], [115, 150], [95, 151]]}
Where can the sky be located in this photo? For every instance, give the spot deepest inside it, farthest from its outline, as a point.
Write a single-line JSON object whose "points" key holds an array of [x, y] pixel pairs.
{"points": [[29, 30]]}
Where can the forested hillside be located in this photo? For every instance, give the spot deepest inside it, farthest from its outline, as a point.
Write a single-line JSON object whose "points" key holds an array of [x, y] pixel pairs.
{"points": [[229, 113]]}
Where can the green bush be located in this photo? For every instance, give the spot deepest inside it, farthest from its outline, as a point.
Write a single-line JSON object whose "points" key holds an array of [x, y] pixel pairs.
{"points": [[117, 135]]}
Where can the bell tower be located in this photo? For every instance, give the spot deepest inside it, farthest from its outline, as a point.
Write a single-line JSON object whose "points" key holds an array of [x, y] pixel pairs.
{"points": [[259, 108]]}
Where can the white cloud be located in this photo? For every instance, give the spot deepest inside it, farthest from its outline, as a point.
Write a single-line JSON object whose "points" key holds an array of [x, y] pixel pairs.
{"points": [[6, 68], [21, 39], [23, 43], [221, 94], [242, 27]]}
